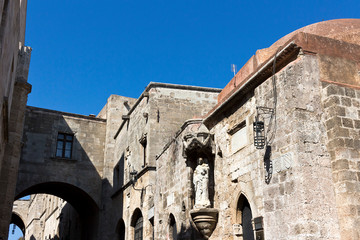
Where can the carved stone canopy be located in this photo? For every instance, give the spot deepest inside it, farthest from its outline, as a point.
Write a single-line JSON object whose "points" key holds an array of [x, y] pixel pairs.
{"points": [[199, 143]]}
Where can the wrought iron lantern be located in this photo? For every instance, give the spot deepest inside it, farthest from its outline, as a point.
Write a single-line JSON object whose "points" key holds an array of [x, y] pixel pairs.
{"points": [[259, 134], [259, 126]]}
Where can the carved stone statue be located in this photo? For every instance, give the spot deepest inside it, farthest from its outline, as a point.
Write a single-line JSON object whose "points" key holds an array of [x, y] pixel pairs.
{"points": [[201, 184]]}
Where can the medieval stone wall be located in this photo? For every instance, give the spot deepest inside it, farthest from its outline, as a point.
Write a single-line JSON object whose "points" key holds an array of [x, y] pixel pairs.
{"points": [[158, 114], [299, 201], [174, 189], [49, 217], [39, 160], [137, 164], [14, 65], [301, 169], [298, 157], [341, 116]]}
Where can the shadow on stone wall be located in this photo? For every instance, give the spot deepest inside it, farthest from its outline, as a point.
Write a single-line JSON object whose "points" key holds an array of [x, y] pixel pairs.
{"points": [[76, 180], [187, 233]]}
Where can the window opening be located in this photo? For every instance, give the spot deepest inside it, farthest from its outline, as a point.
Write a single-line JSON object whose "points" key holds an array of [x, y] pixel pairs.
{"points": [[64, 145], [139, 229]]}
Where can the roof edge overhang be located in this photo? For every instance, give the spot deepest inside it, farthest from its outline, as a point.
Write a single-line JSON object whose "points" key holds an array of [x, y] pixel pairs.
{"points": [[308, 43]]}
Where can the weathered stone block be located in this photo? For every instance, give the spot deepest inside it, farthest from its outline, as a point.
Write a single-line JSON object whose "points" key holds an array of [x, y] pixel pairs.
{"points": [[350, 92], [338, 132], [336, 111], [331, 101], [332, 122], [336, 142], [269, 205], [341, 164], [346, 176], [334, 90], [347, 122], [346, 101], [349, 142], [355, 103], [357, 124]]}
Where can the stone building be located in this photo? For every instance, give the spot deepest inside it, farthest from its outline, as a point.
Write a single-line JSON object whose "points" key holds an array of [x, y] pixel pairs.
{"points": [[47, 217], [282, 146], [105, 165], [14, 66], [274, 155]]}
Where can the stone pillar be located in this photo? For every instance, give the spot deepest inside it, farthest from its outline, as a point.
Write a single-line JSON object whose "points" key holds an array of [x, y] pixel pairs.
{"points": [[9, 170]]}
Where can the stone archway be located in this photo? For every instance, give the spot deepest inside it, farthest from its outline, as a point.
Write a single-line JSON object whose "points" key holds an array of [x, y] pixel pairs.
{"points": [[84, 205], [18, 221]]}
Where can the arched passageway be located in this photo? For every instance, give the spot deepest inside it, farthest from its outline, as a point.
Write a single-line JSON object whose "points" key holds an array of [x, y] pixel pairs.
{"points": [[18, 221], [84, 205]]}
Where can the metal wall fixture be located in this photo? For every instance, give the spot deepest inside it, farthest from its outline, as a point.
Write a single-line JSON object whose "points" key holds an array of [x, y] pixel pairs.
{"points": [[259, 126], [259, 134]]}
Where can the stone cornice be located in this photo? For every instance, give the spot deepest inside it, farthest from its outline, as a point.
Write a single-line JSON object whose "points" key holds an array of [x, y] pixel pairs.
{"points": [[164, 85], [43, 110]]}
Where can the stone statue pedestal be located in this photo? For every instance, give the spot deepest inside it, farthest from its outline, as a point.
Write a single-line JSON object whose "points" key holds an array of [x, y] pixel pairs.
{"points": [[204, 220]]}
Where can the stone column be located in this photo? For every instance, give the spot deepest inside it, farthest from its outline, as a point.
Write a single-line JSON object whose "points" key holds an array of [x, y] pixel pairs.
{"points": [[9, 170]]}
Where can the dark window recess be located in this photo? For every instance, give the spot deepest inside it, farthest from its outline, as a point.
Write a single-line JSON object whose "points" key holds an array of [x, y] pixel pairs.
{"points": [[64, 145], [139, 229]]}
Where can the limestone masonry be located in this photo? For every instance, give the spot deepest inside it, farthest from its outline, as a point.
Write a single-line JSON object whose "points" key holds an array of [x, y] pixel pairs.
{"points": [[274, 155]]}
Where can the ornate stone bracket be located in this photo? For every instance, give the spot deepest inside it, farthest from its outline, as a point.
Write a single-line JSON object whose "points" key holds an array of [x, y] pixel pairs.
{"points": [[199, 143]]}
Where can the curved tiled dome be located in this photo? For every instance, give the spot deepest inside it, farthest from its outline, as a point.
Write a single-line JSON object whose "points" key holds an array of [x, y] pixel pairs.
{"points": [[347, 30]]}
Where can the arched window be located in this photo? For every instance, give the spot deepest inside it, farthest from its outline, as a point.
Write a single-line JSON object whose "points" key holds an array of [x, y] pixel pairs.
{"points": [[172, 228], [244, 218], [137, 224], [138, 233]]}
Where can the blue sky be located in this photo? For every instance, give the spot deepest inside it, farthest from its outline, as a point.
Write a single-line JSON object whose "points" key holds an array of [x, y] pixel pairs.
{"points": [[17, 233], [85, 50]]}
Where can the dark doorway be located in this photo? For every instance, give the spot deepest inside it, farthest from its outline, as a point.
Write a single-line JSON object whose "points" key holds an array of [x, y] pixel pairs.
{"points": [[246, 216]]}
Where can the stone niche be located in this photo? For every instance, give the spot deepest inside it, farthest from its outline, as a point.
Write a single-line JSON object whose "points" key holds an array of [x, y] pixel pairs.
{"points": [[198, 149]]}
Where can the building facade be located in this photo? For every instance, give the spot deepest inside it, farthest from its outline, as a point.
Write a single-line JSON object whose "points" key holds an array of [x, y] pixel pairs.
{"points": [[14, 67], [274, 155]]}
